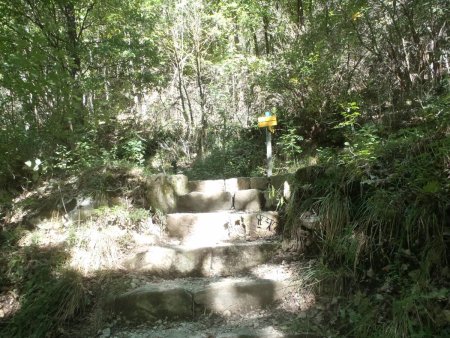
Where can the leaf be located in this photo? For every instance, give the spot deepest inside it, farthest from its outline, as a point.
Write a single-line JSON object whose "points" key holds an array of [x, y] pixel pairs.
{"points": [[356, 16], [431, 187]]}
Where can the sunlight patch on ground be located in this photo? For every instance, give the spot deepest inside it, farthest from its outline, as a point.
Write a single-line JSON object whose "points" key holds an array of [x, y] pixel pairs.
{"points": [[97, 249]]}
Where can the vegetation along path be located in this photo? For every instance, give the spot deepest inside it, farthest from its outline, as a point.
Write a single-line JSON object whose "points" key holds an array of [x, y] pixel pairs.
{"points": [[132, 201]]}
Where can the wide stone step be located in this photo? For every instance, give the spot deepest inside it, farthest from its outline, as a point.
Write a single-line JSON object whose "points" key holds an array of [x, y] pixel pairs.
{"points": [[189, 298], [221, 260], [231, 184], [249, 200], [204, 202], [209, 228]]}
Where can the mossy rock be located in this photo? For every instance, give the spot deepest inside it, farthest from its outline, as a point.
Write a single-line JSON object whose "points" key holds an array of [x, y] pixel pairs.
{"points": [[162, 191]]}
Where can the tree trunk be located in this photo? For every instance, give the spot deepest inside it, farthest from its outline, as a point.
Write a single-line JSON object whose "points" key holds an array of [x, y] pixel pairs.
{"points": [[300, 14], [203, 122], [266, 34], [255, 40], [72, 39], [74, 66]]}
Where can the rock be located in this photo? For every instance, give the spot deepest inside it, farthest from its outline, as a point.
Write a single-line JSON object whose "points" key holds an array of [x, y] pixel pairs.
{"points": [[162, 191], [249, 200], [310, 221], [239, 297], [150, 303]]}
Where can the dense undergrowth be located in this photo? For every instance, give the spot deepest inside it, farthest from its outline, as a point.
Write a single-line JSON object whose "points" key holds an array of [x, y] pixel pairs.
{"points": [[383, 202]]}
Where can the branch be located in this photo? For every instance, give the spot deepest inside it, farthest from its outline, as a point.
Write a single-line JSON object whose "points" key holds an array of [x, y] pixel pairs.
{"points": [[84, 26]]}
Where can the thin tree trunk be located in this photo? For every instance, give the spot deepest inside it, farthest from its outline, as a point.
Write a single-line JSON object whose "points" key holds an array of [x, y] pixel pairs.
{"points": [[255, 40], [202, 134], [266, 34], [188, 99], [300, 14]]}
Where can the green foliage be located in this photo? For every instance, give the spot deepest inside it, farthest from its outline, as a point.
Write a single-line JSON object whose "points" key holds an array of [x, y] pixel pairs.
{"points": [[49, 295], [382, 201], [133, 150], [289, 144], [242, 156], [350, 115]]}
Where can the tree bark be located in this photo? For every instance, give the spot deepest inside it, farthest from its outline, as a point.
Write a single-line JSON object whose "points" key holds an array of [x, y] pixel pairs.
{"points": [[266, 34], [300, 14]]}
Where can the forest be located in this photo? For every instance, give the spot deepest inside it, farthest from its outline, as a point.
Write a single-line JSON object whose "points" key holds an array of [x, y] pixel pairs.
{"points": [[96, 89]]}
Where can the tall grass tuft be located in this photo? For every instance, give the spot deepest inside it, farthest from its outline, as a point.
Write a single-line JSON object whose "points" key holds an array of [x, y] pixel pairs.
{"points": [[96, 249], [47, 306]]}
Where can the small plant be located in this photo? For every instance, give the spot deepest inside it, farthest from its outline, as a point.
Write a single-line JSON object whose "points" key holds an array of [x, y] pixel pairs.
{"points": [[350, 114], [289, 144], [133, 150]]}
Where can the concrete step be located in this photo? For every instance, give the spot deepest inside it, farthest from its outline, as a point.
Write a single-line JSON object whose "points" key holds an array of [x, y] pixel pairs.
{"points": [[204, 202], [222, 260], [213, 227], [241, 200], [230, 185], [249, 200], [256, 324], [189, 298], [207, 186]]}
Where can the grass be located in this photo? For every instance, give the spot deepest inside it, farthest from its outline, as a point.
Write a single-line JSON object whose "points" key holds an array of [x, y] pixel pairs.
{"points": [[50, 295], [60, 267], [383, 209]]}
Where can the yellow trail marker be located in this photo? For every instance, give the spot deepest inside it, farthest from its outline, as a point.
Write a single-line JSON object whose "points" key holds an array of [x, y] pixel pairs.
{"points": [[267, 121]]}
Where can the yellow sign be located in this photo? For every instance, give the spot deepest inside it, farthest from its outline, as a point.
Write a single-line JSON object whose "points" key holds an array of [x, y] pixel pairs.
{"points": [[267, 121]]}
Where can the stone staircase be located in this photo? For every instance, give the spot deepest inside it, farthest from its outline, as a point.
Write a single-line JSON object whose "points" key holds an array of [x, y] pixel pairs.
{"points": [[221, 237]]}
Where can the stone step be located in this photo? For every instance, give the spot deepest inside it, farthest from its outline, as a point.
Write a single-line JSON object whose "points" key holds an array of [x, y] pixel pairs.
{"points": [[190, 298], [222, 260], [249, 200], [209, 228], [241, 200], [204, 202], [258, 324], [230, 185], [207, 186]]}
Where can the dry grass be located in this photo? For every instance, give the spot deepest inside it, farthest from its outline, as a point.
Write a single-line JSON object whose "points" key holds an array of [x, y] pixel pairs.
{"points": [[97, 249]]}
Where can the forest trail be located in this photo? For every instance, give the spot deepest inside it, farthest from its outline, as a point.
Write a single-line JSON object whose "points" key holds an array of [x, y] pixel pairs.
{"points": [[222, 271]]}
